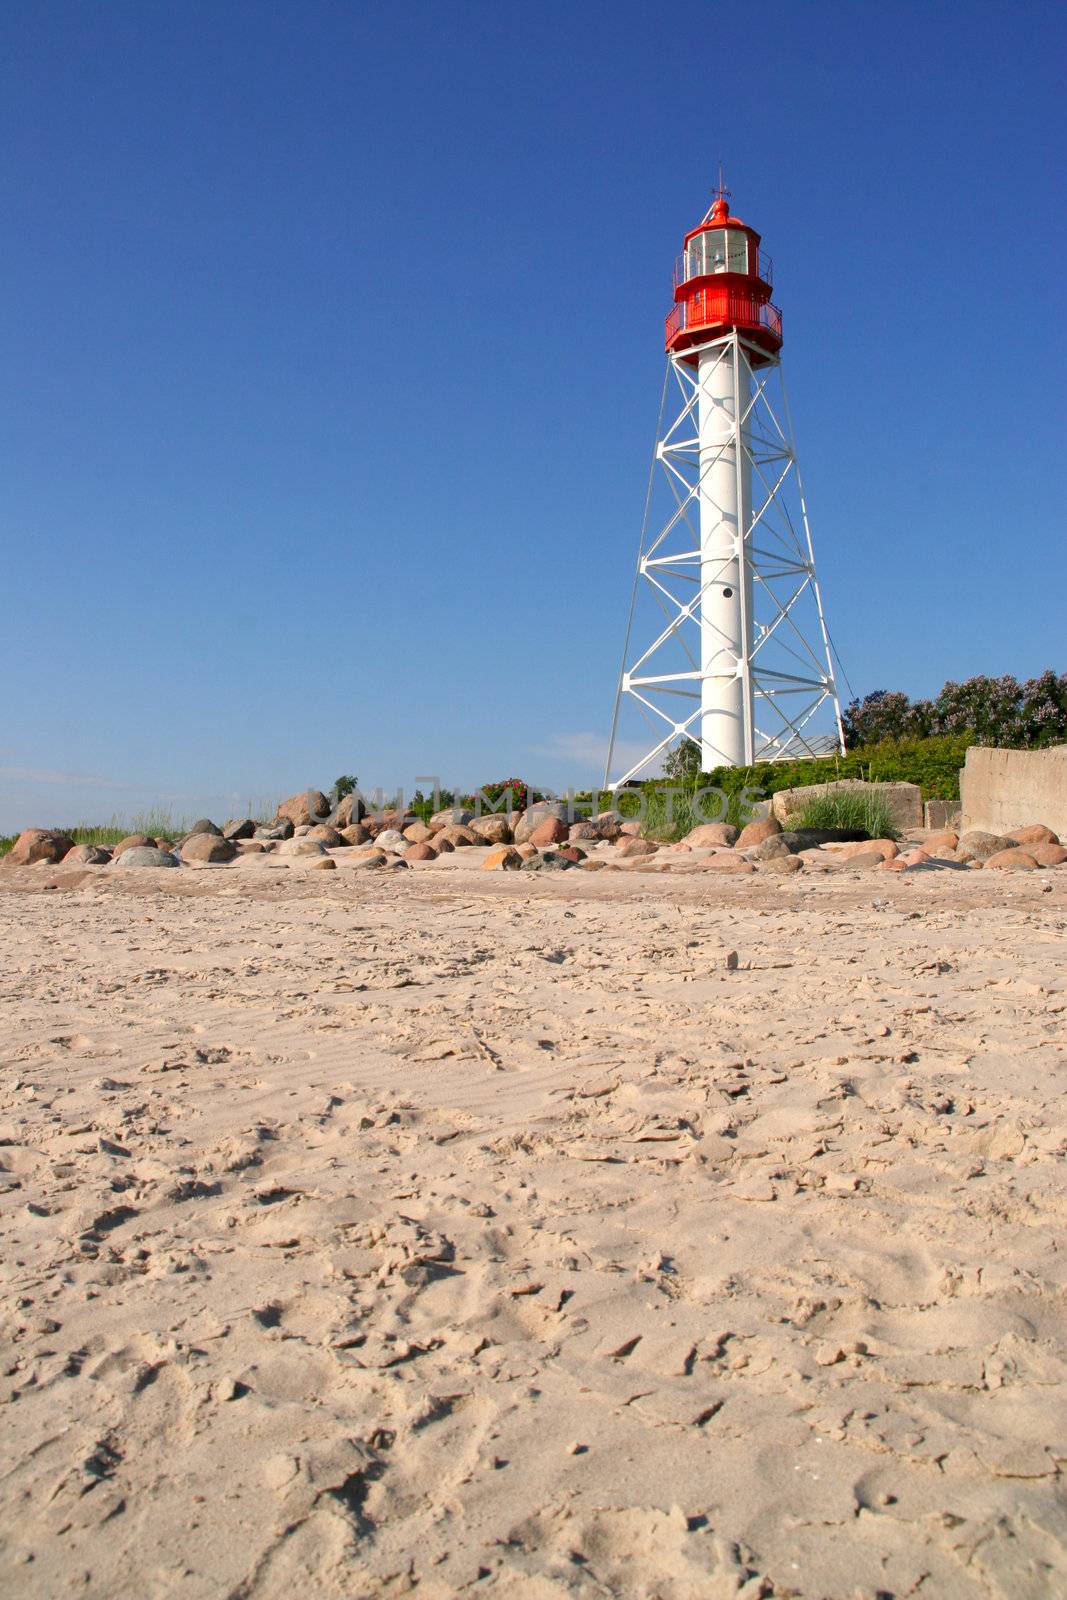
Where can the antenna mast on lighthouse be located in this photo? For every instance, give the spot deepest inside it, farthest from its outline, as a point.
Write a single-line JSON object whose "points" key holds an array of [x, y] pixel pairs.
{"points": [[738, 660]]}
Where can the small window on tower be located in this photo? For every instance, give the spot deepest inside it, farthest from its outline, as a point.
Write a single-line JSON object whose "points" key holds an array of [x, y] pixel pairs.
{"points": [[715, 251], [707, 253], [737, 251]]}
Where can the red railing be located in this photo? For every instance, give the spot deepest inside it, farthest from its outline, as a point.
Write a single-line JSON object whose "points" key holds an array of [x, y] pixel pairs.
{"points": [[710, 308]]}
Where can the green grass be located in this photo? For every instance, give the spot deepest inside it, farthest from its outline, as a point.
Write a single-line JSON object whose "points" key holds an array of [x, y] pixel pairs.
{"points": [[862, 811], [683, 818], [158, 822]]}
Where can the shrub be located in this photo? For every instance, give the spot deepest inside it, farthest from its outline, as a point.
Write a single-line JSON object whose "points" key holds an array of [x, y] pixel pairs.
{"points": [[997, 711]]}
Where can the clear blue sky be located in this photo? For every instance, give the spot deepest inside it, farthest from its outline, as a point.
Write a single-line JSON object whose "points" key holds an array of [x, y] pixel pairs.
{"points": [[332, 344]]}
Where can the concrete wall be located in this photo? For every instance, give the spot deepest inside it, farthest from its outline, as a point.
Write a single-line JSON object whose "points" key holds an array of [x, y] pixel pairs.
{"points": [[904, 800], [1001, 789]]}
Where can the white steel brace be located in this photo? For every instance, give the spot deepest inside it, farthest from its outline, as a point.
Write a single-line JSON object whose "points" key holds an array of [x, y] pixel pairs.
{"points": [[741, 664]]}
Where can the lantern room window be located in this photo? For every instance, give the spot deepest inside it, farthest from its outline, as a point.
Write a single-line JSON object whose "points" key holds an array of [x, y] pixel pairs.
{"points": [[717, 250]]}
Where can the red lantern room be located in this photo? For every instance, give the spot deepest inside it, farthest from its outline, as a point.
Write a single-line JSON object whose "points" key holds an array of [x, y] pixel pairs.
{"points": [[722, 281]]}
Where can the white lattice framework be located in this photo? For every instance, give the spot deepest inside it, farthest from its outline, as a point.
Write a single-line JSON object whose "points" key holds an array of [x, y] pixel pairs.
{"points": [[785, 662]]}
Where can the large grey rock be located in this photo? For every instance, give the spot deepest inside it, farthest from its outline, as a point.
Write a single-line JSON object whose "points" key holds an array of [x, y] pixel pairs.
{"points": [[238, 828], [276, 830], [978, 845], [549, 861], [205, 825], [146, 855]]}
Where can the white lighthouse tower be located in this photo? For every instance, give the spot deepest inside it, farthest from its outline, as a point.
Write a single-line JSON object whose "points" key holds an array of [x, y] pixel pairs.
{"points": [[737, 657]]}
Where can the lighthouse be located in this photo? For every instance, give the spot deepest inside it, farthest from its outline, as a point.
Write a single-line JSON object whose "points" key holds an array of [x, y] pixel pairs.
{"points": [[736, 657]]}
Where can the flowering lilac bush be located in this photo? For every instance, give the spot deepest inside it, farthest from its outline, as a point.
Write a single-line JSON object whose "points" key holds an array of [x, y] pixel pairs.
{"points": [[998, 711]]}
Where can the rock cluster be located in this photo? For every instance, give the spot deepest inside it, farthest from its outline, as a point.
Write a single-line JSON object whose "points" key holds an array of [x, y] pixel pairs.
{"points": [[543, 839]]}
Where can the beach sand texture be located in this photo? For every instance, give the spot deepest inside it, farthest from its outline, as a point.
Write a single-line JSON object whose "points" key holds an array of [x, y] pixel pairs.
{"points": [[472, 1235]]}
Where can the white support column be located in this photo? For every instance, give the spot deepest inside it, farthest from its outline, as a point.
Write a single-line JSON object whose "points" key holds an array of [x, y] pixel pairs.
{"points": [[726, 611]]}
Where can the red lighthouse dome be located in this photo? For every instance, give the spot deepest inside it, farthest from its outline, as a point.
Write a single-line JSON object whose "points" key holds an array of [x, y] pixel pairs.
{"points": [[722, 281]]}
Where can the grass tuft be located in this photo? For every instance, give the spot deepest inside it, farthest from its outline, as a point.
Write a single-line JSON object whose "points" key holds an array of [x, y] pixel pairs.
{"points": [[866, 812]]}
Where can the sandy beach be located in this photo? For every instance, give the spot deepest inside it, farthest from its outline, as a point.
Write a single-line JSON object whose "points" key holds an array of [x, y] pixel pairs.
{"points": [[459, 1234]]}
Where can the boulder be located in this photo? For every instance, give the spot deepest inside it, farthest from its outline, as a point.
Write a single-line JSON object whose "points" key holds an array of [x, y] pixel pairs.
{"points": [[629, 830], [457, 837], [526, 851], [146, 855], [392, 862], [453, 817], [550, 861], [1015, 859], [392, 840], [372, 859], [885, 848], [866, 860], [304, 809], [349, 810], [782, 864], [210, 847], [754, 833], [421, 850], [584, 830], [708, 833], [275, 830], [131, 842], [494, 829], [535, 815], [203, 825], [238, 828], [38, 844], [943, 839], [1034, 833], [505, 858], [442, 844], [355, 833], [94, 855], [571, 852], [301, 847], [1048, 855], [550, 831], [636, 847], [326, 835], [979, 846], [390, 817], [254, 847], [418, 833], [608, 825], [726, 862], [324, 864], [774, 848]]}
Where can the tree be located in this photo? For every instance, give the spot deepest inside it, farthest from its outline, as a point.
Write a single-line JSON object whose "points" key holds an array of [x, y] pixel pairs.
{"points": [[342, 786], [683, 762]]}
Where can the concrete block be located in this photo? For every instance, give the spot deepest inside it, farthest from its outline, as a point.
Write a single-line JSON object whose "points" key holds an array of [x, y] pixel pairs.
{"points": [[904, 800], [1003, 789], [940, 813]]}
